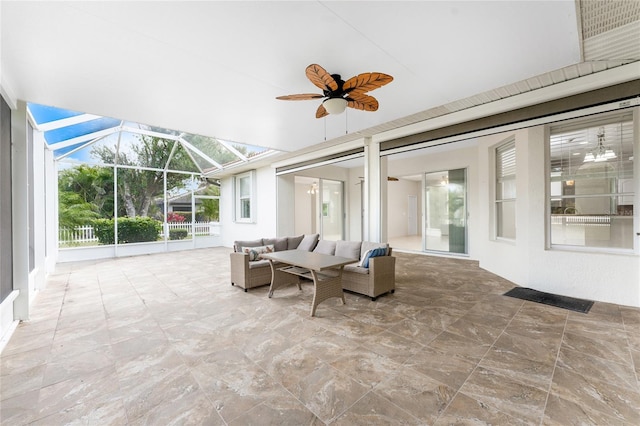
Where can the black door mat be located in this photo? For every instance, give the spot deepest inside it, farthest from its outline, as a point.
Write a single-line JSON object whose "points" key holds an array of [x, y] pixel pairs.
{"points": [[564, 302]]}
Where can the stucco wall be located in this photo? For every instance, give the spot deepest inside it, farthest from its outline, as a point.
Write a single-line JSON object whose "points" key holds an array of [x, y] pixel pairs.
{"points": [[528, 261], [265, 223]]}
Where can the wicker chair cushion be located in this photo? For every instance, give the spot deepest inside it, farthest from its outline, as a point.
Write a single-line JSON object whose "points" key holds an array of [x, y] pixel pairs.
{"points": [[325, 247], [355, 268], [348, 249], [259, 264]]}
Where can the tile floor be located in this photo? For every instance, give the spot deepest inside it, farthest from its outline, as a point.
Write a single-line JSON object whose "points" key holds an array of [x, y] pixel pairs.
{"points": [[165, 339]]}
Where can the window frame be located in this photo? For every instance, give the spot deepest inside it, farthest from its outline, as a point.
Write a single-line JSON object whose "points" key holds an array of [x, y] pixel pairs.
{"points": [[505, 146], [238, 197], [585, 123]]}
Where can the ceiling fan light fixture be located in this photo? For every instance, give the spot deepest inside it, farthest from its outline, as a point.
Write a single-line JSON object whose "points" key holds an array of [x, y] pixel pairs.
{"points": [[335, 105]]}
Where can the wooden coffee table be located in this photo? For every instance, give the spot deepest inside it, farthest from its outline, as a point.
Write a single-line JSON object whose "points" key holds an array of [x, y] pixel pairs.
{"points": [[325, 270]]}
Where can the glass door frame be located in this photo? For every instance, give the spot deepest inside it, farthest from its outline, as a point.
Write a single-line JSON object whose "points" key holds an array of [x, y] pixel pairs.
{"points": [[465, 213]]}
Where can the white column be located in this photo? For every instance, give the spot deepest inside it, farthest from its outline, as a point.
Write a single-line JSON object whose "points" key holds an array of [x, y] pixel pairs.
{"points": [[51, 211], [20, 210], [375, 202], [39, 213]]}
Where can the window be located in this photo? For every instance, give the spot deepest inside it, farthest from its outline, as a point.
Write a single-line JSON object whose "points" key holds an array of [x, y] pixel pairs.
{"points": [[591, 183], [244, 192], [505, 204]]}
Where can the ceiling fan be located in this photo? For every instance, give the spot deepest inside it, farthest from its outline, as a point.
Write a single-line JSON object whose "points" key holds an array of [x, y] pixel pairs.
{"points": [[340, 94]]}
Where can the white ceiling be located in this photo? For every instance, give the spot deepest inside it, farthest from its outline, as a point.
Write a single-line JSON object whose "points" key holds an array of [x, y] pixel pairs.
{"points": [[215, 68]]}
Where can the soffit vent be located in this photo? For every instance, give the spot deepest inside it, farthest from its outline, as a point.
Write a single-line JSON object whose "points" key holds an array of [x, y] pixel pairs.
{"points": [[600, 16], [610, 29]]}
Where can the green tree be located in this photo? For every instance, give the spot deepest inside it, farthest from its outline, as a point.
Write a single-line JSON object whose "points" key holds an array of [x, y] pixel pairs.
{"points": [[73, 211], [209, 207], [137, 188], [85, 193]]}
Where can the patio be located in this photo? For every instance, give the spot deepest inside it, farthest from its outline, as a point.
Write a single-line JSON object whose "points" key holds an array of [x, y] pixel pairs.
{"points": [[165, 339]]}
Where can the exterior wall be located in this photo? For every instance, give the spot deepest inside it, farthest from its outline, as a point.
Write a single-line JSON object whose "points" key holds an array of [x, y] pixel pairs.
{"points": [[266, 207], [500, 256], [599, 276]]}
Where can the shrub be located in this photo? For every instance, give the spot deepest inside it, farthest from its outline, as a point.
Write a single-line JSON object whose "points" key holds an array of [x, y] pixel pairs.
{"points": [[104, 231], [178, 234], [130, 230]]}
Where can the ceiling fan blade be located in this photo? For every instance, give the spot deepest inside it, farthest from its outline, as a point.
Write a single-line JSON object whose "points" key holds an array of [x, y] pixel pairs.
{"points": [[321, 78], [321, 112], [366, 82], [362, 102], [300, 97]]}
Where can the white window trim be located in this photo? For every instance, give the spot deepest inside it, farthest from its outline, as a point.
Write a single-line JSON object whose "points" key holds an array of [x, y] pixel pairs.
{"points": [[579, 122], [497, 201], [237, 210]]}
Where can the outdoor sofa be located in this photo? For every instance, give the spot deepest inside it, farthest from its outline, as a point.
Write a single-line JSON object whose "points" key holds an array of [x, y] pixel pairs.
{"points": [[248, 270]]}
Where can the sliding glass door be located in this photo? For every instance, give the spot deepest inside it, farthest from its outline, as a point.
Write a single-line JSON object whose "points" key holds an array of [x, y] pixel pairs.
{"points": [[445, 207]]}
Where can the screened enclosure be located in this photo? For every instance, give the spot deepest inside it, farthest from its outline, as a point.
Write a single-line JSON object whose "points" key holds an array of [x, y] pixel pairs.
{"points": [[122, 183]]}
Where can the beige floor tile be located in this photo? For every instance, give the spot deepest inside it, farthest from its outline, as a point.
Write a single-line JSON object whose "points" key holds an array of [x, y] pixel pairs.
{"points": [[420, 395], [506, 395], [166, 339], [464, 410], [373, 409], [616, 402]]}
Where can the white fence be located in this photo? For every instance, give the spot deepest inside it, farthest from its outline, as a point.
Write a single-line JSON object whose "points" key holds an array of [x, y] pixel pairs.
{"points": [[84, 235], [78, 235], [201, 228]]}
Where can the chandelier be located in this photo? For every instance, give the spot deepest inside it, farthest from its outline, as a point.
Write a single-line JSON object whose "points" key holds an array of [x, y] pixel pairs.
{"points": [[313, 188], [600, 152]]}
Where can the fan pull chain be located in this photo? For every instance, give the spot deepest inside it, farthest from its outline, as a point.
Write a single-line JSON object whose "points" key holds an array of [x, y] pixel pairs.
{"points": [[346, 122], [325, 128]]}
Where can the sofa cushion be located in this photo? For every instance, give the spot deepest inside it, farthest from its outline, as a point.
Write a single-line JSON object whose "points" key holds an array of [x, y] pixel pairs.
{"points": [[294, 242], [279, 244], [368, 245], [255, 252], [354, 267], [237, 245], [260, 264], [326, 247], [374, 252], [348, 249], [308, 242]]}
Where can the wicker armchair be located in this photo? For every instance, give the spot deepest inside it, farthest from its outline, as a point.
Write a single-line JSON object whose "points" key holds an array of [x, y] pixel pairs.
{"points": [[379, 279]]}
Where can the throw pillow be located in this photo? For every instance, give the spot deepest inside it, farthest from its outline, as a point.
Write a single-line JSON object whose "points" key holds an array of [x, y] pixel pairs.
{"points": [[293, 242], [238, 246], [348, 249], [368, 245], [309, 242], [380, 251], [279, 244], [256, 252], [325, 247]]}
